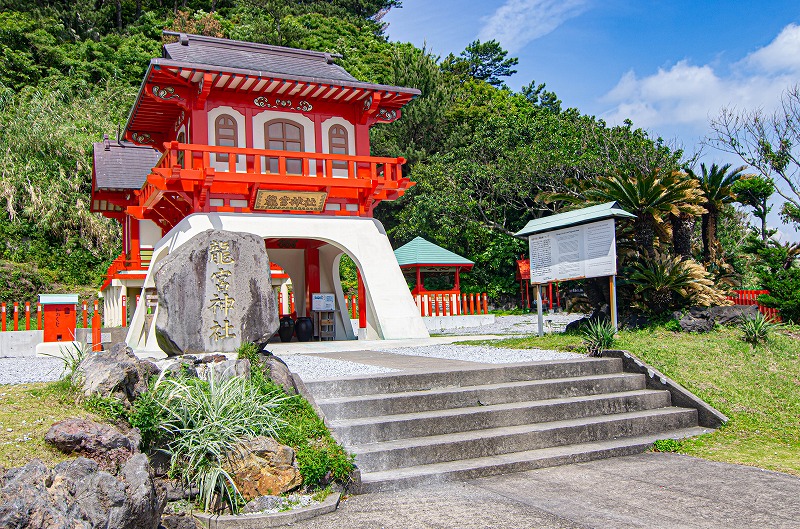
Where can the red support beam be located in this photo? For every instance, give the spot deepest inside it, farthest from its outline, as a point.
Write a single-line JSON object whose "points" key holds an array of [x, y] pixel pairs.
{"points": [[362, 302], [96, 332]]}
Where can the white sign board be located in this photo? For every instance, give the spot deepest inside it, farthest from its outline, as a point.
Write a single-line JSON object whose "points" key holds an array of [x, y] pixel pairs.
{"points": [[578, 252], [323, 302]]}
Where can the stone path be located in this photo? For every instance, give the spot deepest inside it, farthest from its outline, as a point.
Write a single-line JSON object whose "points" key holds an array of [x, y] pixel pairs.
{"points": [[643, 491]]}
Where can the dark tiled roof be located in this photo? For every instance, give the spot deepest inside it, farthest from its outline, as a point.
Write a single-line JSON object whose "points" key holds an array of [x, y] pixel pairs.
{"points": [[225, 53], [124, 165]]}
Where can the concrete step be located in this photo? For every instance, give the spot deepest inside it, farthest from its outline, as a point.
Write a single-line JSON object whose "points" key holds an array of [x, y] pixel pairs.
{"points": [[352, 407], [465, 469], [396, 383], [439, 422], [400, 453]]}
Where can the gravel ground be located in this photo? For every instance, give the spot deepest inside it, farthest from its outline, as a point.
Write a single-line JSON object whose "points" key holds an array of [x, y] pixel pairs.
{"points": [[485, 354], [21, 370], [523, 324], [317, 367]]}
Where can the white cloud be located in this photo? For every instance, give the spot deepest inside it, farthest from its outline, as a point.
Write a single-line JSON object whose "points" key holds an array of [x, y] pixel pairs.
{"points": [[518, 22], [687, 94], [782, 54]]}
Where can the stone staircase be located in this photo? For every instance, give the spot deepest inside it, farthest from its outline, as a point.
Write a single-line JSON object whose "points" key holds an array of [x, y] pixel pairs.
{"points": [[413, 429]]}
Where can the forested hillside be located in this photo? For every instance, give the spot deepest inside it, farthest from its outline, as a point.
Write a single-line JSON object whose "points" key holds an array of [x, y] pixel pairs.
{"points": [[486, 159]]}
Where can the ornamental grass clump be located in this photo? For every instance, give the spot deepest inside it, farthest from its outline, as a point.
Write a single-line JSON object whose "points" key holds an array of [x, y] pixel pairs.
{"points": [[203, 422], [597, 336], [758, 329]]}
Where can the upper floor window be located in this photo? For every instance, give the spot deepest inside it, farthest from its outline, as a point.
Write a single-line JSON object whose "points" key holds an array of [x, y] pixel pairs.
{"points": [[338, 144], [181, 139], [226, 133], [284, 135]]}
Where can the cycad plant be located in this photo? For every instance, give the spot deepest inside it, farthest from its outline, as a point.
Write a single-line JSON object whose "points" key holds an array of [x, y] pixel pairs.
{"points": [[648, 194], [664, 283], [716, 184], [597, 336]]}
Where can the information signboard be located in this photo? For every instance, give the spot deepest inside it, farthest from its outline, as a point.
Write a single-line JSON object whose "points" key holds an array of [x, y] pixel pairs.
{"points": [[577, 252], [323, 302]]}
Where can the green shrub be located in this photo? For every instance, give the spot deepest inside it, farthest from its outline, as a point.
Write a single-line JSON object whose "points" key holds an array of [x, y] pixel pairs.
{"points": [[666, 445], [146, 414], [203, 422], [597, 336], [673, 325], [109, 408], [757, 329]]}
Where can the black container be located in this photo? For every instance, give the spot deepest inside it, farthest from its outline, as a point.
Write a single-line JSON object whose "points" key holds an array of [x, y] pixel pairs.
{"points": [[286, 329], [304, 329]]}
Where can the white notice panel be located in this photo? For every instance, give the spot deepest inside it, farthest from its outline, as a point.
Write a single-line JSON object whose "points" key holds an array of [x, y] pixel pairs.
{"points": [[323, 302], [574, 253]]}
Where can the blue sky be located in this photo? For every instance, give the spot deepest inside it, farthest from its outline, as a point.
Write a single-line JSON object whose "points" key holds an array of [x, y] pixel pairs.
{"points": [[667, 65]]}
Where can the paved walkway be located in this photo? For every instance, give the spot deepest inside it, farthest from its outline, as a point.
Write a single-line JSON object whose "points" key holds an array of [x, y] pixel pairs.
{"points": [[643, 491]]}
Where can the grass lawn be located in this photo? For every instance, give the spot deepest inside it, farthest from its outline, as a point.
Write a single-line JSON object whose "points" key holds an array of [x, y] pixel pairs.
{"points": [[757, 388], [26, 413]]}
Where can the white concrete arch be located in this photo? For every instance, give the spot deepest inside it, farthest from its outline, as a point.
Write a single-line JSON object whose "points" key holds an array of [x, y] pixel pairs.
{"points": [[391, 311]]}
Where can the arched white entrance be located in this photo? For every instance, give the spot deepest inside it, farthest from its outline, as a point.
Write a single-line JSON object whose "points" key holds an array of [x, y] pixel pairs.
{"points": [[391, 311]]}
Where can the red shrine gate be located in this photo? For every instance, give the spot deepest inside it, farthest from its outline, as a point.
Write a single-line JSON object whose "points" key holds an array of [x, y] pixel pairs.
{"points": [[223, 127]]}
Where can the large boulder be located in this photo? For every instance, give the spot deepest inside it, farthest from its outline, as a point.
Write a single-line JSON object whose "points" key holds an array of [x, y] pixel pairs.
{"points": [[215, 294], [696, 321], [115, 373], [107, 445], [78, 495], [732, 314], [279, 373], [601, 313], [263, 467]]}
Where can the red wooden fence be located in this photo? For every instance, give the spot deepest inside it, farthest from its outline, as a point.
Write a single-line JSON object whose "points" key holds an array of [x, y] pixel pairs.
{"points": [[11, 319], [750, 297]]}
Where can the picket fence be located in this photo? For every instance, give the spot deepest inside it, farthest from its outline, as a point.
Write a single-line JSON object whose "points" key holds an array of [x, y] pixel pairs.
{"points": [[750, 297]]}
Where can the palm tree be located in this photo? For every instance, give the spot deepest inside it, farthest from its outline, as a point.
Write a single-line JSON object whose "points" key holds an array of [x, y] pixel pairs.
{"points": [[649, 195], [716, 184]]}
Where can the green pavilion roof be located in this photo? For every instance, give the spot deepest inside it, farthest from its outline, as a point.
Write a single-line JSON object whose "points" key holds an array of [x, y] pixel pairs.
{"points": [[609, 210], [422, 252]]}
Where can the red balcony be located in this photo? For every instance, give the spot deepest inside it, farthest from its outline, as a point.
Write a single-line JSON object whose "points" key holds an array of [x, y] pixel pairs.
{"points": [[188, 176]]}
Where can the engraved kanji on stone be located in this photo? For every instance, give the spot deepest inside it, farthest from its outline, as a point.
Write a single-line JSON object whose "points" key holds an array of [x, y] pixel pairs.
{"points": [[221, 303], [220, 252], [220, 331], [222, 279]]}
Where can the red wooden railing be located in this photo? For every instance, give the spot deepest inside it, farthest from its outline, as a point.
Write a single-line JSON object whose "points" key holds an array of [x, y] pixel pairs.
{"points": [[750, 297], [123, 263]]}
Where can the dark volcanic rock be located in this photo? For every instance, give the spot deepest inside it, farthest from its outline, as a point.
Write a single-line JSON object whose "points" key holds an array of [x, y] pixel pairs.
{"points": [[696, 322], [115, 373], [178, 521], [76, 494], [215, 294], [602, 313], [733, 314], [103, 443], [279, 373]]}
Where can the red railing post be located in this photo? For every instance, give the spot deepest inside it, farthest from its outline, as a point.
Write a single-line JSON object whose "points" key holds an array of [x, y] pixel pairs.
{"points": [[38, 316], [430, 305], [85, 315], [3, 312], [27, 315], [124, 311], [353, 307], [16, 316], [96, 334], [486, 303], [291, 302]]}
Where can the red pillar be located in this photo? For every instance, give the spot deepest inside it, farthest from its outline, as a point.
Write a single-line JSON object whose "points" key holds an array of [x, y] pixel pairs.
{"points": [[418, 287], [3, 316], [27, 315], [362, 302], [457, 286], [124, 311], [312, 276], [96, 334], [39, 316], [550, 295], [16, 316]]}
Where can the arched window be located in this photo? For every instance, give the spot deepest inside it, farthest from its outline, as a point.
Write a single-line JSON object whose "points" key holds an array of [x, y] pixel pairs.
{"points": [[338, 144], [181, 139], [284, 135], [226, 133]]}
